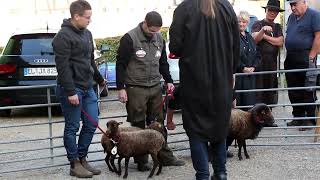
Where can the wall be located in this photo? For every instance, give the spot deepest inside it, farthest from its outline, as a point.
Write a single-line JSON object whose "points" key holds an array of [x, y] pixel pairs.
{"points": [[110, 17]]}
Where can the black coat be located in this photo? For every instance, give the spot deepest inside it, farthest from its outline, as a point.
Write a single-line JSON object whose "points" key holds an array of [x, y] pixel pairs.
{"points": [[208, 50], [249, 57]]}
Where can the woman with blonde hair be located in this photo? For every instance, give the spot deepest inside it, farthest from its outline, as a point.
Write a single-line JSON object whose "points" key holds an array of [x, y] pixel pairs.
{"points": [[205, 35], [249, 60]]}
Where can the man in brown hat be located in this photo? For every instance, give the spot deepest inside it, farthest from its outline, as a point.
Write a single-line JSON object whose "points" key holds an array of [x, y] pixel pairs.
{"points": [[269, 38]]}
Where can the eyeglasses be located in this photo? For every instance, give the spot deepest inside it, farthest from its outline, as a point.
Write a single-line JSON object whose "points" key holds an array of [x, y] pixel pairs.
{"points": [[87, 17]]}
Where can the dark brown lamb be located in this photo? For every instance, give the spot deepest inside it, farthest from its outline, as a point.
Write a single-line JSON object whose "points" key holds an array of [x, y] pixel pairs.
{"points": [[107, 145], [136, 143], [248, 124]]}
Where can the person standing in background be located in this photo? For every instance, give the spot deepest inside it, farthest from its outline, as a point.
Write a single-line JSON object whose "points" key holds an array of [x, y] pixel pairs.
{"points": [[303, 44], [269, 38], [249, 60]]}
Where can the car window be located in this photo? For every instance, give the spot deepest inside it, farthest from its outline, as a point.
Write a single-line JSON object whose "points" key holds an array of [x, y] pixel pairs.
{"points": [[35, 44]]}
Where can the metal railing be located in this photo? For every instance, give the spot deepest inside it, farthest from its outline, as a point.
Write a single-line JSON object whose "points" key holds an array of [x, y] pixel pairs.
{"points": [[51, 149]]}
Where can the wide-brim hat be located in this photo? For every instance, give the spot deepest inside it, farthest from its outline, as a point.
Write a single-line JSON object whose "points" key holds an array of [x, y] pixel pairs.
{"points": [[292, 1], [273, 4]]}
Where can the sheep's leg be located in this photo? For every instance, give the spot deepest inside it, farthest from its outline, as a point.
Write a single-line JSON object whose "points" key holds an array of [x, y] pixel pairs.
{"points": [[240, 144], [160, 165], [245, 150], [119, 165], [107, 160], [112, 163], [155, 164], [126, 167]]}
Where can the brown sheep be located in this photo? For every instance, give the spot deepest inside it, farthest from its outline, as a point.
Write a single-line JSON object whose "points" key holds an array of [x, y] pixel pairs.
{"points": [[107, 145], [248, 124], [136, 143]]}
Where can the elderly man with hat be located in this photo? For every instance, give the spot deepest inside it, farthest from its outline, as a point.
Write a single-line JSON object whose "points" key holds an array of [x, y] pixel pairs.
{"points": [[269, 38], [302, 44]]}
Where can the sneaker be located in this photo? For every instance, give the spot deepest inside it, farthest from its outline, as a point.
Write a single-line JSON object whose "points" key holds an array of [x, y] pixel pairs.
{"points": [[272, 125], [176, 162]]}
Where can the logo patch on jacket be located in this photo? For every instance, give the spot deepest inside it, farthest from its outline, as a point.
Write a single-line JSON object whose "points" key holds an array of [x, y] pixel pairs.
{"points": [[158, 54], [141, 53]]}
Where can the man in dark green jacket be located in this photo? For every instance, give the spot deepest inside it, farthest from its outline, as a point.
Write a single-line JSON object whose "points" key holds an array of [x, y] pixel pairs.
{"points": [[141, 61]]}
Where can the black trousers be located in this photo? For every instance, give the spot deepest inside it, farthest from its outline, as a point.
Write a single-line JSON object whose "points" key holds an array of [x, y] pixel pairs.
{"points": [[299, 60]]}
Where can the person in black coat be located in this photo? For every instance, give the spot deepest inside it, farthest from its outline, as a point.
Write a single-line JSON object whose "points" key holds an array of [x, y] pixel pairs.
{"points": [[249, 59], [205, 35]]}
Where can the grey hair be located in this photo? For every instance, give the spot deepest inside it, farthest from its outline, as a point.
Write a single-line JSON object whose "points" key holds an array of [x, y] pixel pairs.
{"points": [[244, 15]]}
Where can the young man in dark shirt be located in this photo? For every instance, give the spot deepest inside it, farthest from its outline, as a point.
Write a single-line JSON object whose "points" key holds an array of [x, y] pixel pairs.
{"points": [[73, 49]]}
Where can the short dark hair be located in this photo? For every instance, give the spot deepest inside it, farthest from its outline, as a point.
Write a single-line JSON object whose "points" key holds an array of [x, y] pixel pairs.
{"points": [[78, 7], [153, 18]]}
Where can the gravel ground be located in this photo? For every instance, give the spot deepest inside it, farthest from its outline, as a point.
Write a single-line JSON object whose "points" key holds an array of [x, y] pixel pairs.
{"points": [[266, 162]]}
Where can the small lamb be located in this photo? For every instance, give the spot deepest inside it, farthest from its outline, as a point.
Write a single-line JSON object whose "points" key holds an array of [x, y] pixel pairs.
{"points": [[136, 143]]}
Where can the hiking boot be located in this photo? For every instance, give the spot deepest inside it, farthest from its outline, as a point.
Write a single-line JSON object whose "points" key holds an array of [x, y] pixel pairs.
{"points": [[306, 123], [78, 170], [175, 162], [143, 167], [86, 165], [294, 123]]}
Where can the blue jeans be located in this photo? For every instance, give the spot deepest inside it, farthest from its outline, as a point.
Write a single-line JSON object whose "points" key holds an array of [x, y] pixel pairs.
{"points": [[72, 115], [199, 155]]}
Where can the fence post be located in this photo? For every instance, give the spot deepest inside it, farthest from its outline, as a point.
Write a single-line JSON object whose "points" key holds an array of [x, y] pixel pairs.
{"points": [[50, 123]]}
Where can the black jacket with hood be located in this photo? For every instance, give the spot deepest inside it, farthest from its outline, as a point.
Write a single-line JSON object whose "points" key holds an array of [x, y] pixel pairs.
{"points": [[74, 59]]}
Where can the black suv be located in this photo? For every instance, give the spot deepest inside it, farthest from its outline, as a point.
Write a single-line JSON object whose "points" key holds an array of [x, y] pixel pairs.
{"points": [[27, 60]]}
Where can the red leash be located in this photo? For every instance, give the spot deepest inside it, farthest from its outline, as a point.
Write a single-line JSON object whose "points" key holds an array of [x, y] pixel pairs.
{"points": [[169, 93], [93, 121]]}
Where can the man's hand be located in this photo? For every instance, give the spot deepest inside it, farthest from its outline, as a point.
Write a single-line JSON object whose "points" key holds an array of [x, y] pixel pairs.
{"points": [[74, 100], [123, 96], [267, 28], [170, 87]]}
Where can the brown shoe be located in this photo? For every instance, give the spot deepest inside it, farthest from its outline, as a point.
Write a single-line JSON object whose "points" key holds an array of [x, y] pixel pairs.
{"points": [[79, 171], [86, 165]]}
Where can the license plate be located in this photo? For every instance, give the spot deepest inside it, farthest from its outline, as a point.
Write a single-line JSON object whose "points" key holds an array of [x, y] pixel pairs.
{"points": [[40, 71]]}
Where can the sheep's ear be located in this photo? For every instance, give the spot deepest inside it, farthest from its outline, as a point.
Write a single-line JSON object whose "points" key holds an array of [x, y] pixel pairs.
{"points": [[108, 124]]}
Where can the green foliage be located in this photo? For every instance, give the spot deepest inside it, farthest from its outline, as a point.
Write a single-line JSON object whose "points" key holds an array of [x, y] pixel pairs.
{"points": [[164, 31], [113, 43], [1, 48]]}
